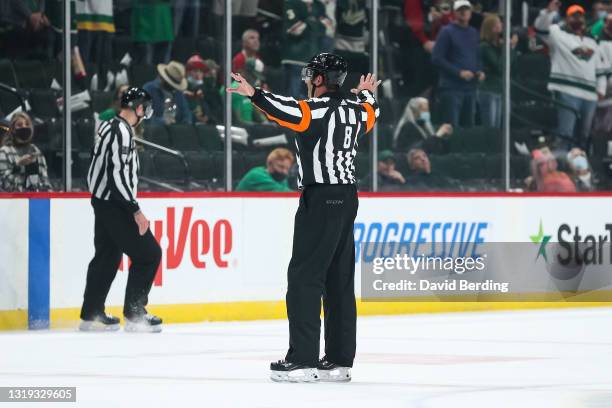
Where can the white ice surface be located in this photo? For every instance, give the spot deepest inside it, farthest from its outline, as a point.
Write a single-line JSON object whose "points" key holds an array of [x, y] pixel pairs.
{"points": [[554, 358]]}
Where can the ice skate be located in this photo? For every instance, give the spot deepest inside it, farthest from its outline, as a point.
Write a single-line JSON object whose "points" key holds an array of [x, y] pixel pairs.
{"points": [[100, 323], [146, 323], [332, 372], [284, 371]]}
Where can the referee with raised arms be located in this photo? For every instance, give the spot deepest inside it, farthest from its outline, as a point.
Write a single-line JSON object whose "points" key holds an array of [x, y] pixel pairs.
{"points": [[120, 225], [322, 264]]}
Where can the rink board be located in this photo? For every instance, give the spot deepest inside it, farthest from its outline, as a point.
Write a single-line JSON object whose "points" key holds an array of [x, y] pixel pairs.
{"points": [[225, 257]]}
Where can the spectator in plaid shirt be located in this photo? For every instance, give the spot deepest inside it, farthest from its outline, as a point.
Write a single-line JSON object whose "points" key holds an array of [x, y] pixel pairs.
{"points": [[22, 164]]}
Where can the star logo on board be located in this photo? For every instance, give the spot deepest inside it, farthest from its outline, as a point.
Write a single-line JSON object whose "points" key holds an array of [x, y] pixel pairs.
{"points": [[541, 239]]}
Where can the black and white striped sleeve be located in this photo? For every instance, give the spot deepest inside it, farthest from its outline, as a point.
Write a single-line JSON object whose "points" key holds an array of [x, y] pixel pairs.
{"points": [[118, 150], [371, 111]]}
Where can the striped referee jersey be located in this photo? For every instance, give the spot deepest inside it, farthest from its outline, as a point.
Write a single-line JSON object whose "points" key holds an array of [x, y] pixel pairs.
{"points": [[327, 131], [113, 172]]}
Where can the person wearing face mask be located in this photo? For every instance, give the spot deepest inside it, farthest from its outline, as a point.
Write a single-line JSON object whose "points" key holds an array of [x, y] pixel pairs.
{"points": [[22, 165], [580, 170], [415, 129], [599, 12], [196, 71], [578, 71], [272, 176], [120, 226]]}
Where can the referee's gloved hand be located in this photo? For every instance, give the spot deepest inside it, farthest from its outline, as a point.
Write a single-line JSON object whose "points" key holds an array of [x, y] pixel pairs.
{"points": [[143, 223], [367, 83]]}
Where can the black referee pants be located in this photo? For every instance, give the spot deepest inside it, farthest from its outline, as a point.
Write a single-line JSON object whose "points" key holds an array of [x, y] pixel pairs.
{"points": [[116, 233], [323, 265]]}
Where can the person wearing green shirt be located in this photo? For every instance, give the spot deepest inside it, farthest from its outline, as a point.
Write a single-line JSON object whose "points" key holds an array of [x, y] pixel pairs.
{"points": [[271, 177], [490, 90], [152, 27], [242, 108]]}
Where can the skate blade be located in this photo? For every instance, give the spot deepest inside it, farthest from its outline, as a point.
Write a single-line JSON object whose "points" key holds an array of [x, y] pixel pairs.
{"points": [[305, 375], [340, 374], [142, 328], [86, 326]]}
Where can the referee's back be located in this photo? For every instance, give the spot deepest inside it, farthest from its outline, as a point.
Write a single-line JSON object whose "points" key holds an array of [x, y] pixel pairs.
{"points": [[113, 172], [328, 128]]}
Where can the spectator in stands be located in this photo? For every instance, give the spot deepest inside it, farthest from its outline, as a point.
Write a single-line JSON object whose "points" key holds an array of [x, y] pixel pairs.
{"points": [[186, 18], [599, 12], [544, 174], [580, 170], [196, 71], [169, 102], [490, 92], [456, 54], [22, 165], [326, 11], [301, 32], [388, 176], [352, 33], [578, 71], [421, 178], [272, 177], [439, 15], [96, 26], [27, 21], [152, 29], [250, 49], [415, 129], [5, 128], [115, 107], [243, 15], [243, 111]]}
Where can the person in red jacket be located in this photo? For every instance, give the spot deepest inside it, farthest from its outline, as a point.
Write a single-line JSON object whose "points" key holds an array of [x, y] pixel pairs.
{"points": [[438, 16]]}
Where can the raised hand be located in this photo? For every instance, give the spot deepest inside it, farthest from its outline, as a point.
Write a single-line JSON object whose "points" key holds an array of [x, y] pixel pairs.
{"points": [[367, 83], [243, 88]]}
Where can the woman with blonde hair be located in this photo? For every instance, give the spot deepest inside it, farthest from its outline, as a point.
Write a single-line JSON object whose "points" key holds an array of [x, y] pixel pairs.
{"points": [[22, 165], [490, 92]]}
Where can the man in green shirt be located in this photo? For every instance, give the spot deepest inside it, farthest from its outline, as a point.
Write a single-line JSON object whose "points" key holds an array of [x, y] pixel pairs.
{"points": [[272, 177]]}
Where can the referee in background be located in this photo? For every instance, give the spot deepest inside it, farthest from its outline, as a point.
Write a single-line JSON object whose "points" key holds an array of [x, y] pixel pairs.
{"points": [[328, 125], [120, 226]]}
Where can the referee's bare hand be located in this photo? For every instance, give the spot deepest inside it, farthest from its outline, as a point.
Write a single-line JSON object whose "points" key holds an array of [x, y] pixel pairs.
{"points": [[243, 88], [367, 83], [142, 221]]}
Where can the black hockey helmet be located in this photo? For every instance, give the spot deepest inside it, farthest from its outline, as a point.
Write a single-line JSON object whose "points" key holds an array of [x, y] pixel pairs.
{"points": [[134, 97], [332, 67]]}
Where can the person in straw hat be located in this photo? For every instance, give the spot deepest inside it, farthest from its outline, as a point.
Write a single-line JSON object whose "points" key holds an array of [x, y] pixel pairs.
{"points": [[169, 102]]}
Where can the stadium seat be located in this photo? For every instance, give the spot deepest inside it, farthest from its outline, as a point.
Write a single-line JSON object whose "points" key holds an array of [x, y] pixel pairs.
{"points": [[183, 137], [183, 48], [141, 74], [169, 168], [208, 138], [157, 134], [200, 165], [31, 74], [100, 101], [85, 132], [7, 74], [44, 103], [476, 139]]}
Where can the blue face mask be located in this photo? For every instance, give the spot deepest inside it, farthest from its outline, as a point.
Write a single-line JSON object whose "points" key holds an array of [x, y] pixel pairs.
{"points": [[602, 14], [580, 163], [425, 117]]}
